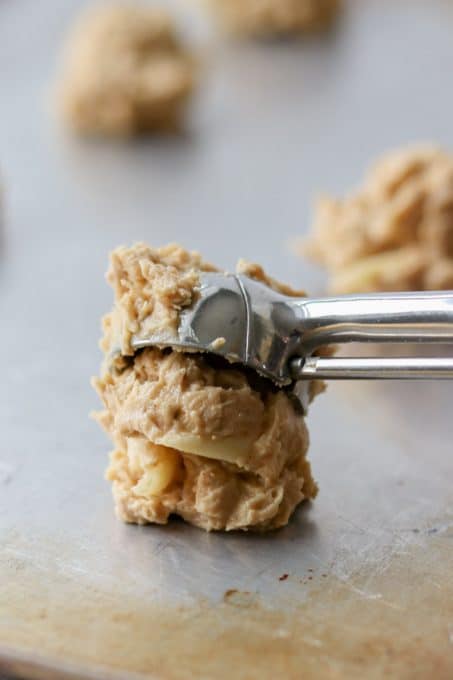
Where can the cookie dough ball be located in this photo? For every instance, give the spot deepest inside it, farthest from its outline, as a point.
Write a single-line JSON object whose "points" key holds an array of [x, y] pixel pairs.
{"points": [[275, 17], [193, 435], [396, 232], [125, 71]]}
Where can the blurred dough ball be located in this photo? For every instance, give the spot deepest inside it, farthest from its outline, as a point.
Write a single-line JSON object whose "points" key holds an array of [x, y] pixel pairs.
{"points": [[274, 17], [396, 231], [125, 71]]}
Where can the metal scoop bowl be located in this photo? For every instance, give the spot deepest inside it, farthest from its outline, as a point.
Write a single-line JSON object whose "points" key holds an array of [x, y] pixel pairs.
{"points": [[248, 323]]}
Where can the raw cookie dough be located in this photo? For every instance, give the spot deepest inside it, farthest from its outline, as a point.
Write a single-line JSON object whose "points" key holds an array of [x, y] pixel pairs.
{"points": [[396, 232], [125, 72], [275, 17], [193, 435]]}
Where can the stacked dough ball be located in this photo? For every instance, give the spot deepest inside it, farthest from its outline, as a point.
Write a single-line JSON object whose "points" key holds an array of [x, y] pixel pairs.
{"points": [[193, 436]]}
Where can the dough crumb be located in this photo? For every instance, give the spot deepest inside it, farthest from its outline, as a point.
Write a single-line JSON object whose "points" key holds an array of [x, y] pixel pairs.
{"points": [[265, 18], [125, 71], [396, 232], [193, 435]]}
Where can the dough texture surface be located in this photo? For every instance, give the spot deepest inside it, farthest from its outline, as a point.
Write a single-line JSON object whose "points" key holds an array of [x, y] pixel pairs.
{"points": [[193, 435], [125, 71], [396, 232]]}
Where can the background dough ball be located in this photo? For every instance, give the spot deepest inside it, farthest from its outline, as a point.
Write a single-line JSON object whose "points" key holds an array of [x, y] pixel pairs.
{"points": [[396, 231], [125, 71], [274, 17]]}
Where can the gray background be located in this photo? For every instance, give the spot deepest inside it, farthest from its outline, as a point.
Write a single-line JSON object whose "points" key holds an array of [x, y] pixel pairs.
{"points": [[270, 126]]}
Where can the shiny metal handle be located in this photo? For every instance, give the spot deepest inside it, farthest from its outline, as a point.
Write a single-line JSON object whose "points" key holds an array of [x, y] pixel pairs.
{"points": [[394, 317], [400, 368]]}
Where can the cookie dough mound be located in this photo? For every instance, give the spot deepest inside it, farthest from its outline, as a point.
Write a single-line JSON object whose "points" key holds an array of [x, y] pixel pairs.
{"points": [[125, 72], [193, 435], [396, 232], [275, 17]]}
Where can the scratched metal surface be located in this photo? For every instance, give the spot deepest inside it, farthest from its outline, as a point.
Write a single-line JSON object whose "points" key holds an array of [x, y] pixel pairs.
{"points": [[271, 125]]}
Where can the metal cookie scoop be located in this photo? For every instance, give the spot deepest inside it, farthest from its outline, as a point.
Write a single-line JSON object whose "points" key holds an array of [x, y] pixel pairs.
{"points": [[246, 322]]}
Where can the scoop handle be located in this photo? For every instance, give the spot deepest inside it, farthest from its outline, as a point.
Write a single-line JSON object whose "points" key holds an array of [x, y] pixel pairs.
{"points": [[395, 317], [381, 368]]}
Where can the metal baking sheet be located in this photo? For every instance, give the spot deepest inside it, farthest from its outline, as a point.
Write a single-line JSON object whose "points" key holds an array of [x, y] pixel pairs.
{"points": [[360, 583]]}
